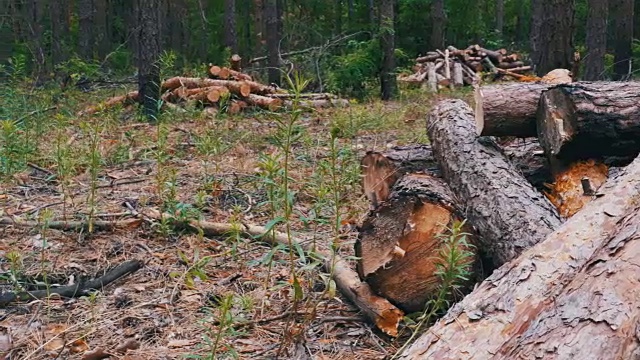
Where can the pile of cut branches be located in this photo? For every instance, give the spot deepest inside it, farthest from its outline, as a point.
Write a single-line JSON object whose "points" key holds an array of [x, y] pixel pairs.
{"points": [[459, 67], [226, 89]]}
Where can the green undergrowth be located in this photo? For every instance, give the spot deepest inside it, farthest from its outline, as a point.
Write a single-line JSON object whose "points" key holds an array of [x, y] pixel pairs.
{"points": [[293, 172]]}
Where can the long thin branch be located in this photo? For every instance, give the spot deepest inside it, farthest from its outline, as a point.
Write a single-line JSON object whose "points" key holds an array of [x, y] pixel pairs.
{"points": [[79, 289], [327, 45], [377, 309], [68, 225]]}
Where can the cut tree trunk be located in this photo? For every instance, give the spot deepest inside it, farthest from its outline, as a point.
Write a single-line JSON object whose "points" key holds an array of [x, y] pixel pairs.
{"points": [[573, 296], [509, 214], [590, 121], [219, 72], [241, 88], [400, 242], [381, 170], [507, 110], [458, 80], [127, 99], [272, 104], [236, 62]]}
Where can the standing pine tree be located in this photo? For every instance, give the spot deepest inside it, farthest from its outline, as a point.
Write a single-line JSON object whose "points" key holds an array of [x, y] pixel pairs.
{"points": [[596, 40], [148, 16], [552, 34], [387, 36]]}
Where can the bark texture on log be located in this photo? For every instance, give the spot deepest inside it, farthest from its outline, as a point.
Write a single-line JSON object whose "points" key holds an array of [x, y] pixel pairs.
{"points": [[573, 296], [590, 120], [507, 110], [527, 156], [400, 242], [507, 212], [381, 170]]}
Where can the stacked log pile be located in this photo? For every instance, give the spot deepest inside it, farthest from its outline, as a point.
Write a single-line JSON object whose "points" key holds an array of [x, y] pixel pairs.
{"points": [[545, 177], [459, 67], [226, 89]]}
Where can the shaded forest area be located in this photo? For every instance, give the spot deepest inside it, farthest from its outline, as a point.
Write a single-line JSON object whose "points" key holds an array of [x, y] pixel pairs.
{"points": [[340, 44], [306, 179]]}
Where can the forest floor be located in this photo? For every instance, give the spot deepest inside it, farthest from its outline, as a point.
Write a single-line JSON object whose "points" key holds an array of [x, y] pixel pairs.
{"points": [[196, 296]]}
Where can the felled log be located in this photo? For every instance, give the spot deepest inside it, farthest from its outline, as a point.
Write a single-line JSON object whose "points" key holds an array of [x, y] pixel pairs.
{"points": [[510, 65], [317, 103], [507, 110], [457, 74], [432, 80], [219, 72], [429, 57], [400, 242], [508, 213], [224, 73], [209, 94], [241, 88], [269, 103], [306, 96], [127, 99], [576, 186], [381, 170], [573, 296], [590, 120], [236, 62]]}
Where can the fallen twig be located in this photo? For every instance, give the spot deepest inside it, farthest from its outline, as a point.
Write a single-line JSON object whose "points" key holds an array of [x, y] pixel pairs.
{"points": [[379, 310], [79, 289], [69, 225]]}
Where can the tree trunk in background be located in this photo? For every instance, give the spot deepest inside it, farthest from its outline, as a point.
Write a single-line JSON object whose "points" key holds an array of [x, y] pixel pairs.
{"points": [[438, 19], [259, 25], [636, 19], [100, 25], [338, 17], [271, 15], [280, 7], [148, 53], [35, 10], [230, 36], [622, 17], [521, 31], [387, 43], [499, 16], [596, 41], [85, 29], [350, 13], [177, 12], [552, 35], [372, 14], [59, 31]]}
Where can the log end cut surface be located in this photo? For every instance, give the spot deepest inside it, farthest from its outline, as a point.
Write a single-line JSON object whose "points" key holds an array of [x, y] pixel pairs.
{"points": [[575, 187], [380, 170], [400, 242]]}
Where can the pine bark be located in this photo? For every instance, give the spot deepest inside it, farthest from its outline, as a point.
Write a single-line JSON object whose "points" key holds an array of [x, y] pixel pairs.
{"points": [[100, 23], [273, 56], [230, 34], [148, 55], [596, 40], [59, 30], [552, 35], [499, 16], [599, 120], [622, 18], [85, 29], [438, 19], [387, 43], [572, 296], [509, 214], [508, 109]]}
